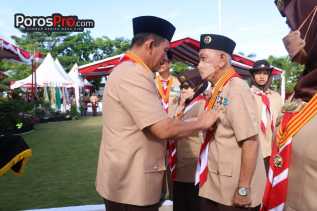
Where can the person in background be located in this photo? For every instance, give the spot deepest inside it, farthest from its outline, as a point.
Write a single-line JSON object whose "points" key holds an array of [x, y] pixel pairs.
{"points": [[168, 90], [191, 105], [269, 105], [94, 103]]}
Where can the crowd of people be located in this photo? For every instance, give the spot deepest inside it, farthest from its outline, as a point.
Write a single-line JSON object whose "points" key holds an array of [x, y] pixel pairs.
{"points": [[216, 148]]}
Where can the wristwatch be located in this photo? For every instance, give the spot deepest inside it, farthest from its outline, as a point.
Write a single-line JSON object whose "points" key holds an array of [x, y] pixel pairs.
{"points": [[242, 191]]}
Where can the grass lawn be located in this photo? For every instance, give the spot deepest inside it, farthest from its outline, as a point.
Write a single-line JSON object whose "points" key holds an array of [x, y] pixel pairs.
{"points": [[62, 169]]}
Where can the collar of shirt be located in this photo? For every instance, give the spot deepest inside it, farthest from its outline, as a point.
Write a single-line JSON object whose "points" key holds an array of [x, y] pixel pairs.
{"points": [[255, 89]]}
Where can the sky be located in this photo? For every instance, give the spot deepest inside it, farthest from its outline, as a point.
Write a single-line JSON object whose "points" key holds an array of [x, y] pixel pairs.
{"points": [[255, 25]]}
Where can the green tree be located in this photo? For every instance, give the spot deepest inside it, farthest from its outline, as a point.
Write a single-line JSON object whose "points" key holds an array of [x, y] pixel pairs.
{"points": [[14, 71], [179, 67], [292, 70], [40, 41], [69, 48], [106, 47]]}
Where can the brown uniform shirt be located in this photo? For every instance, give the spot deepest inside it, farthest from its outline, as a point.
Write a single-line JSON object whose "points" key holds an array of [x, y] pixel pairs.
{"points": [[187, 149], [131, 161], [237, 123], [276, 104], [302, 180]]}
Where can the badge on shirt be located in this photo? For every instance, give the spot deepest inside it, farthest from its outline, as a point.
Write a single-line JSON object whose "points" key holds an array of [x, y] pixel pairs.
{"points": [[222, 101], [278, 161]]}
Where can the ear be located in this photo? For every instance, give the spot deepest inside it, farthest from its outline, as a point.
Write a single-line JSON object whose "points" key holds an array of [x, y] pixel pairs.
{"points": [[223, 60], [149, 45]]}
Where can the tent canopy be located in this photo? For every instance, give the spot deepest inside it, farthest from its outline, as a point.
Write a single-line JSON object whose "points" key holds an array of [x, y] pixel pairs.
{"points": [[62, 70], [185, 50], [74, 75], [47, 74], [99, 68]]}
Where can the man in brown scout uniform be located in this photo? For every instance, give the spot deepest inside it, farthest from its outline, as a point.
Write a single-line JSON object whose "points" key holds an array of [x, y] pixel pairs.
{"points": [[269, 105], [132, 152], [291, 185], [168, 86], [230, 171]]}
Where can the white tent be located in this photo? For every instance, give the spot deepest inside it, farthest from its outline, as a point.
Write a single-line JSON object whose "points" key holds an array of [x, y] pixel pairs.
{"points": [[87, 83], [78, 83], [74, 75], [47, 74], [62, 71]]}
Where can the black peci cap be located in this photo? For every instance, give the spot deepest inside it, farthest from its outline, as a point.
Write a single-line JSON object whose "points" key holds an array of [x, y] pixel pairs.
{"points": [[155, 25], [217, 42]]}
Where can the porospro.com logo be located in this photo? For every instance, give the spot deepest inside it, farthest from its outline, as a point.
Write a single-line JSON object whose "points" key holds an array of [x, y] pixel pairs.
{"points": [[54, 23]]}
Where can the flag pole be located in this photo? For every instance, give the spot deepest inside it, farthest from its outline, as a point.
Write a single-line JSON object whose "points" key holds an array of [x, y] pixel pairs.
{"points": [[220, 16]]}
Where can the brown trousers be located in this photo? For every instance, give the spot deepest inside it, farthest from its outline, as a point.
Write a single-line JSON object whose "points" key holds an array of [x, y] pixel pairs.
{"points": [[208, 205], [114, 206]]}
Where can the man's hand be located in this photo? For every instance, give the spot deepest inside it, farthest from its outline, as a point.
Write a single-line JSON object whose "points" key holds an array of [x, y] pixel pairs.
{"points": [[241, 201], [294, 43]]}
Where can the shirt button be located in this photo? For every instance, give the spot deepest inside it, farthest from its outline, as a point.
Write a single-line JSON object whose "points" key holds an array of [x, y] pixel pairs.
{"points": [[155, 167]]}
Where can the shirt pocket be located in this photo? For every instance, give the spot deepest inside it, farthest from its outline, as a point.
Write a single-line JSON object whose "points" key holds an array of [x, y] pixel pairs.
{"points": [[151, 167], [154, 160], [222, 169]]}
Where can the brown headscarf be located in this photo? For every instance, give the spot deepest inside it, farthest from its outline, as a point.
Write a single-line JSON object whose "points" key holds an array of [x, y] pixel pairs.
{"points": [[296, 12]]}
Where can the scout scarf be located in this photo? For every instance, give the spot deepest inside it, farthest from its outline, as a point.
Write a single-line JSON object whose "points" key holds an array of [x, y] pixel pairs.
{"points": [[277, 182], [202, 168], [266, 113], [164, 89]]}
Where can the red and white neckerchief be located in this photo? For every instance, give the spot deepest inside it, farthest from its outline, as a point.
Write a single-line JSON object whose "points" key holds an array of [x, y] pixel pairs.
{"points": [[196, 100], [277, 183], [266, 112], [202, 167], [164, 88]]}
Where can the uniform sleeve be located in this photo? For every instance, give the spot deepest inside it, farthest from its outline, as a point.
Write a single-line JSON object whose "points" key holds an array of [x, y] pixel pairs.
{"points": [[242, 112], [280, 102], [138, 95]]}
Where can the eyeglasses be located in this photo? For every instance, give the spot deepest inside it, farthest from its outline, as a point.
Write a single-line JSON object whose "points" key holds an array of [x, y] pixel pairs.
{"points": [[184, 85]]}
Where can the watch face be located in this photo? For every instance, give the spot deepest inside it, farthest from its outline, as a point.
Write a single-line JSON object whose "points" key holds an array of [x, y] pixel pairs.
{"points": [[243, 191]]}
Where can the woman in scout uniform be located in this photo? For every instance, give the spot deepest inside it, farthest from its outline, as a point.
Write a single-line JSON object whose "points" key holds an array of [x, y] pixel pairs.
{"points": [[132, 152], [191, 104], [269, 105], [230, 171], [291, 185]]}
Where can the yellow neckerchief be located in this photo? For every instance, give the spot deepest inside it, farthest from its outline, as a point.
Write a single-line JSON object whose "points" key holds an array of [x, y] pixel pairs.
{"points": [[165, 97], [297, 122], [135, 58], [229, 73]]}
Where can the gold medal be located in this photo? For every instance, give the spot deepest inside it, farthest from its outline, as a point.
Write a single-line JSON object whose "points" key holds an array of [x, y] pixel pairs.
{"points": [[278, 161]]}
